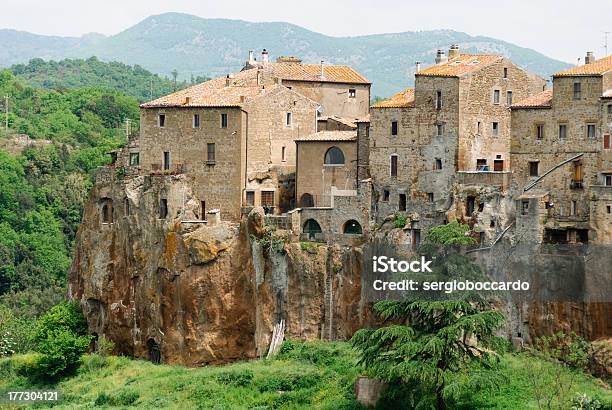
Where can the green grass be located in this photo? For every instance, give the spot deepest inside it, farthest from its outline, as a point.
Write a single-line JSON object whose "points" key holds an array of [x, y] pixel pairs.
{"points": [[312, 375], [303, 375]]}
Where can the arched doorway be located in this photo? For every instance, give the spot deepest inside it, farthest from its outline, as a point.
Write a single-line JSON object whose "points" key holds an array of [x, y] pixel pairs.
{"points": [[352, 227], [312, 228], [154, 352], [306, 201]]}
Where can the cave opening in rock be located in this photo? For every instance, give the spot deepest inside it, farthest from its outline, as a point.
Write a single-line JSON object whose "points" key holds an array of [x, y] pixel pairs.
{"points": [[154, 352]]}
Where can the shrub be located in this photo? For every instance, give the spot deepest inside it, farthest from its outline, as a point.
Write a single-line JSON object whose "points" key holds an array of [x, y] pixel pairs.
{"points": [[570, 349], [584, 402], [400, 221], [123, 398], [60, 338], [235, 377]]}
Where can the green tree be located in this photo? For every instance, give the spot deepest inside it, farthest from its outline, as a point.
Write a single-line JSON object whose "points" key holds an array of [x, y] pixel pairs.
{"points": [[435, 346]]}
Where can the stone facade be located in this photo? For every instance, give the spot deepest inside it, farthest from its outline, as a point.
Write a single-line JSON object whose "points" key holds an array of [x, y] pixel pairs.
{"points": [[564, 133], [444, 126]]}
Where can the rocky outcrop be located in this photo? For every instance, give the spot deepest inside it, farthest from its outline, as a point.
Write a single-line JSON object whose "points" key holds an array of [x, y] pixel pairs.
{"points": [[202, 292]]}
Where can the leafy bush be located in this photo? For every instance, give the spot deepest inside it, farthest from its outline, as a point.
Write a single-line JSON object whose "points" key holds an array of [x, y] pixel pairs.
{"points": [[15, 332], [235, 377], [122, 398], [584, 402], [570, 349], [400, 221], [60, 338], [452, 233]]}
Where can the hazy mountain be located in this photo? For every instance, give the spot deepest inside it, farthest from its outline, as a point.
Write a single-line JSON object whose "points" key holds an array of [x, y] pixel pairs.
{"points": [[213, 47]]}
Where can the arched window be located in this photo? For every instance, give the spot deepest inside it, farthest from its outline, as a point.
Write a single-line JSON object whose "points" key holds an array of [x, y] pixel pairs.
{"points": [[352, 227], [306, 201], [154, 352], [312, 228], [334, 156], [106, 210]]}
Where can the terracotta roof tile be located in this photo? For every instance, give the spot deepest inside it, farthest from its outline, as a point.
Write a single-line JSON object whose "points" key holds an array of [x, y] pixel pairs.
{"points": [[403, 99], [461, 65], [596, 68], [349, 122], [607, 94], [541, 100], [365, 118], [312, 72], [329, 136]]}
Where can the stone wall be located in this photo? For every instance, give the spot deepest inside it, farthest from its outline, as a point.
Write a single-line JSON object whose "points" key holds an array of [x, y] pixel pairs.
{"points": [[334, 97], [316, 178]]}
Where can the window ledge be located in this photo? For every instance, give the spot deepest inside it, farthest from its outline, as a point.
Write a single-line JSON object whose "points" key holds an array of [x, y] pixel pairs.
{"points": [[211, 162]]}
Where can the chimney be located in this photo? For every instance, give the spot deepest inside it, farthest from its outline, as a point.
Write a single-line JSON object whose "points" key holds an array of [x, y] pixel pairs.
{"points": [[264, 56], [322, 72], [242, 98], [441, 57], [418, 66], [227, 80], [187, 100], [590, 57], [251, 57], [453, 52], [578, 62]]}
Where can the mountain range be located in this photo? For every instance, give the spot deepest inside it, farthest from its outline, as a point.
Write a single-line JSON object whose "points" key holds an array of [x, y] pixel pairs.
{"points": [[197, 46]]}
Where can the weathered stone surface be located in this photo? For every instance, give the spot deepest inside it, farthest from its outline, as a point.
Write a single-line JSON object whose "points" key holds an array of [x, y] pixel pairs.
{"points": [[205, 243]]}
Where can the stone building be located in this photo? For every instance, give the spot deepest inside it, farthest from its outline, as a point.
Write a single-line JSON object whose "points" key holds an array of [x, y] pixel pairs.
{"points": [[235, 135], [455, 121], [561, 157], [340, 90]]}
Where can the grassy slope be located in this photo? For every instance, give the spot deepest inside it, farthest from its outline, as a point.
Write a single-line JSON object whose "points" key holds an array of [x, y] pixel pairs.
{"points": [[314, 375]]}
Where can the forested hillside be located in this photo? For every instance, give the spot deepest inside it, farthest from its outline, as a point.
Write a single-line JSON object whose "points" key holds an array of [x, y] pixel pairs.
{"points": [[130, 80], [43, 187]]}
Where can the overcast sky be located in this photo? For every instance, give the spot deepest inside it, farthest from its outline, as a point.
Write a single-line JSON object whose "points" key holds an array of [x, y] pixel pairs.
{"points": [[559, 28]]}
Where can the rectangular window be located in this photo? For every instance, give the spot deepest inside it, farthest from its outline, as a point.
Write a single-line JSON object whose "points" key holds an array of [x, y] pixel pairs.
{"points": [[574, 208], [393, 127], [439, 130], [352, 93], [196, 120], [469, 205], [606, 141], [402, 202], [495, 128], [577, 91], [202, 210], [478, 128], [577, 172], [283, 153], [496, 96], [134, 159], [498, 165], [438, 163], [223, 120], [562, 131], [438, 100], [524, 207], [509, 97], [430, 197], [481, 165], [288, 119], [250, 198], [533, 168], [163, 208], [609, 209], [393, 165], [540, 131], [161, 118], [505, 72], [210, 154], [608, 179], [386, 195], [267, 198], [609, 108], [166, 160], [591, 131]]}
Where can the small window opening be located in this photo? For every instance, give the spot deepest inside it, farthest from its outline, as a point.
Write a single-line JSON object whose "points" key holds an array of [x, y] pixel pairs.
{"points": [[196, 120], [509, 97], [163, 208], [524, 207], [250, 198], [496, 97], [203, 210], [438, 163], [495, 128], [393, 165], [533, 168], [470, 205], [210, 153], [430, 197], [162, 120], [386, 195], [283, 153], [540, 131], [352, 93], [577, 91], [562, 131], [224, 120], [402, 202], [288, 119], [166, 160], [393, 127], [438, 100], [134, 159]]}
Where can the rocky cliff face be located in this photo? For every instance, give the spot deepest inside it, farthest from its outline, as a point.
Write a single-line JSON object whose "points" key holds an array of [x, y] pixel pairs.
{"points": [[202, 292]]}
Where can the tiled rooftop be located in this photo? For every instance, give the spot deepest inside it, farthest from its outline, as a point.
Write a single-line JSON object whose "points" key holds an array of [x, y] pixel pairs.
{"points": [[312, 72], [596, 68], [403, 99], [329, 136], [349, 122], [460, 65], [607, 94], [541, 100]]}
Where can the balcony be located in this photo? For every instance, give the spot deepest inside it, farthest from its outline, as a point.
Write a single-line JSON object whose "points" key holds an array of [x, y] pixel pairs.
{"points": [[499, 179], [577, 184]]}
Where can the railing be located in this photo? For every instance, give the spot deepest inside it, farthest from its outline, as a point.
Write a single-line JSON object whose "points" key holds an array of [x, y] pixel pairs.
{"points": [[495, 178], [577, 184]]}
